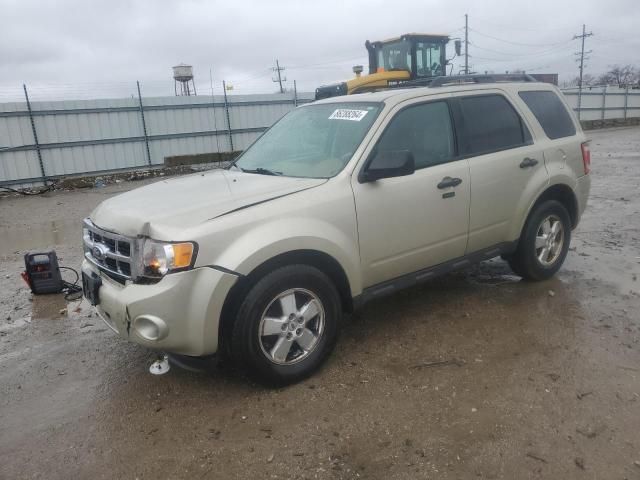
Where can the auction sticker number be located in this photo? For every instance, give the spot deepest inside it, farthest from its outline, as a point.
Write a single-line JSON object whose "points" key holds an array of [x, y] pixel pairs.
{"points": [[346, 114]]}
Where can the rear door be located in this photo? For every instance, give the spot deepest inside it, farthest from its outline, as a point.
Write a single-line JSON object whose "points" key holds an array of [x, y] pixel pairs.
{"points": [[416, 221], [506, 167]]}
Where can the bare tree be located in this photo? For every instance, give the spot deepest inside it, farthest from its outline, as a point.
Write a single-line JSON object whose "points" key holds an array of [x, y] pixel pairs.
{"points": [[621, 76], [572, 82], [588, 80]]}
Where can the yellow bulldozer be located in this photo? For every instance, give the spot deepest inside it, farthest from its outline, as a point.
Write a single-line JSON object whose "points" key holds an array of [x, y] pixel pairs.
{"points": [[410, 59]]}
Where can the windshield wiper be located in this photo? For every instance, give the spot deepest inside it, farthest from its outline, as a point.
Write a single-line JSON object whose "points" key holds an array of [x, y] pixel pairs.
{"points": [[261, 171]]}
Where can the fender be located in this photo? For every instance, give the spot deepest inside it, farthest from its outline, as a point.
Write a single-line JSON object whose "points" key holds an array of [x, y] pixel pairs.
{"points": [[268, 240]]}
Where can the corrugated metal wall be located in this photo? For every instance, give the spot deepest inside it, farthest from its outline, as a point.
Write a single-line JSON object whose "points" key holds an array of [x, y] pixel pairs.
{"points": [[83, 136], [603, 103]]}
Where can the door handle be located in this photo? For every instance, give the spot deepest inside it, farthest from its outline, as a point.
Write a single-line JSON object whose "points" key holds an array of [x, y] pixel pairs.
{"points": [[528, 162], [447, 182]]}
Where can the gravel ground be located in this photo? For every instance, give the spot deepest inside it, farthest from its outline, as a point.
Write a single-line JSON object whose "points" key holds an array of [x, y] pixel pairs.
{"points": [[530, 380]]}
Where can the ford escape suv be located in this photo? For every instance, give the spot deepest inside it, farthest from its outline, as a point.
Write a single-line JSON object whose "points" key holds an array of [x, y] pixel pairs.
{"points": [[342, 201]]}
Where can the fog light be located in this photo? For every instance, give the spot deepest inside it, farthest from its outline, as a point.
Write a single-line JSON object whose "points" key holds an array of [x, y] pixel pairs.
{"points": [[150, 327]]}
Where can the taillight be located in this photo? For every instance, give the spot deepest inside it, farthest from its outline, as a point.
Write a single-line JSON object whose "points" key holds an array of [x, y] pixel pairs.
{"points": [[586, 157]]}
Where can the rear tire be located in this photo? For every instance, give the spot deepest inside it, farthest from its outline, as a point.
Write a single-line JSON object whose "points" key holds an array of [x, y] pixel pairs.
{"points": [[544, 243], [287, 325]]}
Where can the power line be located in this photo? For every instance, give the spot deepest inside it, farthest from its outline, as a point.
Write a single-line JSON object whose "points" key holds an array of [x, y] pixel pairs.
{"points": [[505, 60], [523, 55], [333, 62], [610, 59], [256, 74], [520, 44], [246, 80], [332, 59], [512, 26]]}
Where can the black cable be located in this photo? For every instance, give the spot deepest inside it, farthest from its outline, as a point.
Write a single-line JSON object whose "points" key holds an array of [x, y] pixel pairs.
{"points": [[71, 290]]}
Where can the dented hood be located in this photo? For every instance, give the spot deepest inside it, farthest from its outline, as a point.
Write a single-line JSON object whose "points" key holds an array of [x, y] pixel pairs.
{"points": [[183, 202]]}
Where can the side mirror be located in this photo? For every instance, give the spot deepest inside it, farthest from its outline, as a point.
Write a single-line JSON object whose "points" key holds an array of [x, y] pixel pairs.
{"points": [[387, 164], [458, 46]]}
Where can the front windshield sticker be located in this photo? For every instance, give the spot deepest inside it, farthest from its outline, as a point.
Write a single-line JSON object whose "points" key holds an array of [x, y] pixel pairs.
{"points": [[346, 114]]}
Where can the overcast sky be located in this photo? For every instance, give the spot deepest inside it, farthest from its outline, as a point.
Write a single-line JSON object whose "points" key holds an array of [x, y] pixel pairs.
{"points": [[86, 49]]}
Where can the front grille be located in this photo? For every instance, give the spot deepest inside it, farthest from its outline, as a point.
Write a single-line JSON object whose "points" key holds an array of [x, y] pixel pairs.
{"points": [[110, 252]]}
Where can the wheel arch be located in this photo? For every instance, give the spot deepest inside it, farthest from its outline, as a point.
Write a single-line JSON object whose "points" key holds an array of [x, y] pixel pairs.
{"points": [[560, 192], [564, 194], [315, 258]]}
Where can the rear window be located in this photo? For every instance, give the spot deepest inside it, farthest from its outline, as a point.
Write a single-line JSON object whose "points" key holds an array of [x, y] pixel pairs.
{"points": [[550, 112], [491, 125]]}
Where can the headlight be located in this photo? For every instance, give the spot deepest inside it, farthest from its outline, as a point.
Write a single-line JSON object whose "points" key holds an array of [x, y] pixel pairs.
{"points": [[160, 258]]}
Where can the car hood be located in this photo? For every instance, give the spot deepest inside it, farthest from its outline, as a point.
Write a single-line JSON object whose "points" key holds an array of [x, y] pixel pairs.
{"points": [[183, 202]]}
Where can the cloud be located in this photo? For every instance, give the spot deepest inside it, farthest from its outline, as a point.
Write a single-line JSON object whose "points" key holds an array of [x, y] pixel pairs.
{"points": [[100, 45]]}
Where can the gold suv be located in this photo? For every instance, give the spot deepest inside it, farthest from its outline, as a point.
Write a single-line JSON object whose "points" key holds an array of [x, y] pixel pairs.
{"points": [[340, 202]]}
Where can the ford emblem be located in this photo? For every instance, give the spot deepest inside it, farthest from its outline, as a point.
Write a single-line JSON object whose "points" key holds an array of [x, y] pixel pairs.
{"points": [[99, 253]]}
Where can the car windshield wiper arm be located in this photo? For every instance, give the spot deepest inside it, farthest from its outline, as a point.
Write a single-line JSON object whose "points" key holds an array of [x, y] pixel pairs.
{"points": [[261, 171]]}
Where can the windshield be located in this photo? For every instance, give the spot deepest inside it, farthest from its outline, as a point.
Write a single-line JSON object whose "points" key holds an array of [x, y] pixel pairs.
{"points": [[314, 141]]}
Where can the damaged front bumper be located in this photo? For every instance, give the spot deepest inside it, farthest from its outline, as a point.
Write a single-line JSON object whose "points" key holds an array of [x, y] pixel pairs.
{"points": [[179, 314]]}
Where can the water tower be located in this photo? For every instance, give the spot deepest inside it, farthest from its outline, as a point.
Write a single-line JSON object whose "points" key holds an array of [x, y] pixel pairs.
{"points": [[183, 80]]}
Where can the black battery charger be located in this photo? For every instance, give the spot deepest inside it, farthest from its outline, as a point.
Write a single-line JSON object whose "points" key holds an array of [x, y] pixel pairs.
{"points": [[42, 272]]}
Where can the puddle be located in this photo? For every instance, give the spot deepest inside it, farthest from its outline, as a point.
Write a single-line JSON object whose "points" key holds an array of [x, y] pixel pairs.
{"points": [[49, 307], [39, 236], [495, 279]]}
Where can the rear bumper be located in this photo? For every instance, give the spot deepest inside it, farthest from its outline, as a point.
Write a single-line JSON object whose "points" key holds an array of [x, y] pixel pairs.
{"points": [[583, 186], [179, 314]]}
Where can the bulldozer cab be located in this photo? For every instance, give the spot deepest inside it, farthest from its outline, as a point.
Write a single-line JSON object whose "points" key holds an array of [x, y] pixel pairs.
{"points": [[410, 59], [422, 55]]}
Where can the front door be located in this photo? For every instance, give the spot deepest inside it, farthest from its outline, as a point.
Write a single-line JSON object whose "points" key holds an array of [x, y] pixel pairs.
{"points": [[416, 221]]}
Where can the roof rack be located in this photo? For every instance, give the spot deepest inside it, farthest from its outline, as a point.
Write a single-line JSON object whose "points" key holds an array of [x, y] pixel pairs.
{"points": [[469, 79]]}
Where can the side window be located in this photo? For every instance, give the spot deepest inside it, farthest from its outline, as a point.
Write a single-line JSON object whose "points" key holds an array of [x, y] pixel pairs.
{"points": [[491, 124], [425, 130], [550, 112]]}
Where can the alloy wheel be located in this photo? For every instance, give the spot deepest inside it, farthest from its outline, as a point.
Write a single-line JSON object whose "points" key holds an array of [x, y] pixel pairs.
{"points": [[291, 326], [549, 240]]}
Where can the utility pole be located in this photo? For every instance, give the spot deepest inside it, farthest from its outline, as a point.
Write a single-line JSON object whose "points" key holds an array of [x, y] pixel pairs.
{"points": [[466, 44], [582, 54], [279, 80]]}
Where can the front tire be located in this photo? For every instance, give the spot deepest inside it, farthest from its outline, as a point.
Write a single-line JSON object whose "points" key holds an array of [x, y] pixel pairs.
{"points": [[544, 243], [287, 325]]}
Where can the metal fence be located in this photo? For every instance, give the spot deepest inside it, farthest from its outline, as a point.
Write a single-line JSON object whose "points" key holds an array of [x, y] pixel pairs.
{"points": [[46, 140], [41, 141], [604, 102]]}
